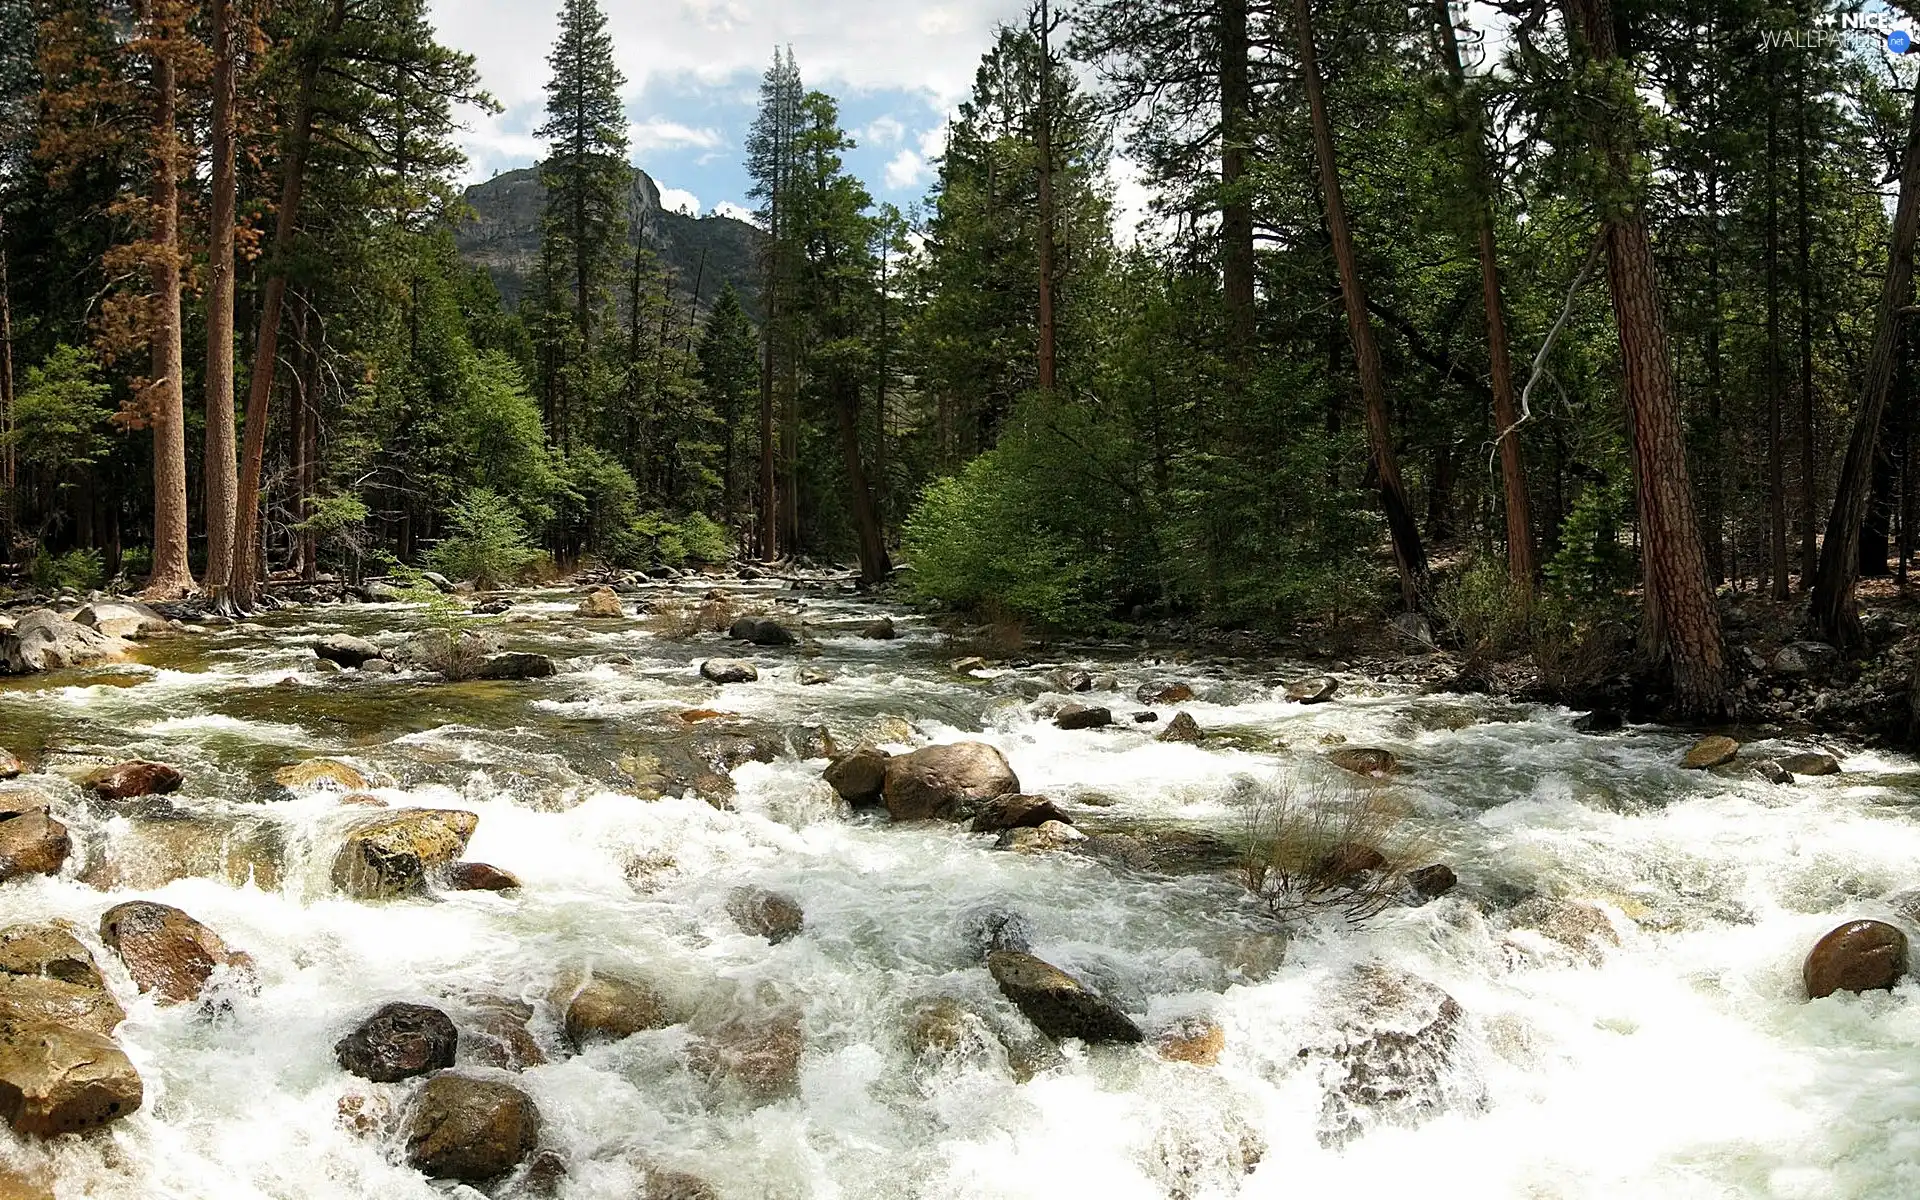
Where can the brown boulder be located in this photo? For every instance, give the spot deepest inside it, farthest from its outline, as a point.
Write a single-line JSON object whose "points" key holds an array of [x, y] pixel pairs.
{"points": [[1860, 956], [677, 1185], [1040, 839], [47, 976], [1317, 690], [166, 951], [859, 777], [949, 781], [760, 1057], [497, 1034], [1183, 728], [1163, 693], [1081, 716], [1017, 811], [480, 877], [1388, 1045], [399, 1041], [769, 914], [728, 670], [393, 854], [57, 1079], [144, 853], [601, 604], [607, 1008], [10, 767], [322, 773], [1430, 883], [126, 780], [1373, 763], [1578, 926], [1198, 1041], [1710, 752], [1811, 764], [1060, 1005], [470, 1129], [31, 841]]}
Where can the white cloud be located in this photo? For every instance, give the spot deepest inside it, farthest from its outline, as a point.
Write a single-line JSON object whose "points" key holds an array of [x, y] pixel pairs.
{"points": [[727, 208], [658, 134], [906, 169], [680, 200], [885, 131]]}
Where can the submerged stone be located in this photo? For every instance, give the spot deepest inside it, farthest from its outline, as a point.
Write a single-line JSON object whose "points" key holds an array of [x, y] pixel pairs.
{"points": [[1060, 1005]]}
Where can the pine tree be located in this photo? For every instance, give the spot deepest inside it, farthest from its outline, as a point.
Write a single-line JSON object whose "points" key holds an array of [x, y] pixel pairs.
{"points": [[729, 377], [771, 161]]}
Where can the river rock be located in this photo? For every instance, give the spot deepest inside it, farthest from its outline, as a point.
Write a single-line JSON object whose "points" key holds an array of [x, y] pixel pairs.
{"points": [[1183, 728], [677, 1185], [728, 670], [123, 619], [1081, 716], [480, 877], [771, 915], [43, 640], [517, 666], [1583, 928], [1710, 752], [1317, 690], [1805, 659], [128, 780], [881, 630], [759, 1056], [761, 631], [47, 976], [985, 928], [1431, 883], [949, 781], [1040, 839], [380, 666], [470, 1129], [394, 853], [1811, 764], [493, 607], [10, 767], [1770, 770], [1860, 956], [1014, 812], [602, 603], [31, 841], [142, 853], [399, 1041], [859, 777], [167, 952], [1060, 1005], [1347, 860], [57, 1079], [327, 773], [458, 655], [496, 1035], [1600, 720], [1370, 762], [604, 1007], [346, 650], [1196, 1040], [1388, 1048], [1163, 693]]}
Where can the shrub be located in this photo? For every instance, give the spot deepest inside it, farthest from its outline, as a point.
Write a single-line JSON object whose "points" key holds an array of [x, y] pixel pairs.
{"points": [[1324, 845], [80, 570], [1579, 643], [1482, 612], [450, 643], [339, 527], [489, 544], [694, 538]]}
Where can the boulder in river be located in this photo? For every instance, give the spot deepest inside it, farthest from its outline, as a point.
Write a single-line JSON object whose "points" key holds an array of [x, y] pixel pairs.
{"points": [[10, 766], [859, 776], [1710, 752], [1040, 839], [758, 1056], [394, 853], [1770, 770], [985, 928], [1196, 1040], [517, 666], [43, 640], [1431, 883], [324, 773], [1363, 760], [167, 952], [1317, 690], [57, 1079], [1583, 928], [949, 781], [480, 877], [881, 630], [123, 619], [603, 1007], [1600, 720], [496, 1034], [128, 780], [1813, 763], [1013, 812], [771, 915], [399, 1041], [1060, 1005], [1389, 1051], [1082, 716], [761, 631], [144, 852], [47, 976], [346, 650], [470, 1129], [1860, 956], [728, 670], [601, 604], [1183, 728], [32, 842], [1163, 693]]}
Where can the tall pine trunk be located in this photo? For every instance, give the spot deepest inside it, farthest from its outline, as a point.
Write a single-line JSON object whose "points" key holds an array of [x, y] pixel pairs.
{"points": [[1809, 559], [9, 473], [874, 565], [1832, 613], [1236, 200], [1776, 384], [172, 576], [221, 471], [1409, 555], [1043, 143]]}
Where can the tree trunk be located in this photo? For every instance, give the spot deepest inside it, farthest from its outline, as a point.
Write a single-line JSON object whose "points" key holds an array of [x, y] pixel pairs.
{"points": [[1832, 613], [1408, 554], [1043, 143], [1808, 477], [9, 473], [1682, 621], [1236, 200], [172, 576], [247, 562], [769, 547], [220, 470], [1776, 384], [866, 517]]}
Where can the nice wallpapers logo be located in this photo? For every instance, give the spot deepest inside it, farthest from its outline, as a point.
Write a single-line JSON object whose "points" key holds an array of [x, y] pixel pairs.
{"points": [[1878, 28]]}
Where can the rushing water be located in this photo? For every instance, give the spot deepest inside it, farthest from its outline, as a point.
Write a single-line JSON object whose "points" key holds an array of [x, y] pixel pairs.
{"points": [[1685, 1062]]}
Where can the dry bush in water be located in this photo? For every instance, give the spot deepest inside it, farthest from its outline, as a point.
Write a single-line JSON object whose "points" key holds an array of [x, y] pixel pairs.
{"points": [[1325, 845], [685, 619]]}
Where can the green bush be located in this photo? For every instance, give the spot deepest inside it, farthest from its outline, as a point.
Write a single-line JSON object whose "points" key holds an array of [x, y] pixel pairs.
{"points": [[80, 570], [705, 539], [489, 544], [136, 562], [1482, 612], [1580, 643]]}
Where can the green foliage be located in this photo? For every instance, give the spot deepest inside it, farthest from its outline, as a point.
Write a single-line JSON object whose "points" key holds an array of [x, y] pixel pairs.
{"points": [[60, 413], [80, 570], [1481, 611], [338, 525], [489, 543], [1592, 560], [694, 538]]}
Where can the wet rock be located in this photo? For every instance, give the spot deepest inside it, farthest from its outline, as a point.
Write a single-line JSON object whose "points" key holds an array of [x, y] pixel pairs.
{"points": [[20, 1184], [761, 631], [517, 666], [944, 1030], [1772, 771], [1254, 955], [1805, 659], [542, 1178], [322, 773], [759, 1056], [1710, 752], [1183, 728], [1388, 1052], [948, 781], [10, 767], [345, 650], [497, 1035], [167, 952], [1431, 883], [378, 591], [457, 655], [395, 853], [123, 619], [32, 842], [606, 1008], [1600, 720], [1081, 716], [986, 928], [470, 1129], [1017, 811], [814, 676], [968, 665], [1201, 1146], [602, 603], [127, 780], [44, 640], [1145, 718], [881, 630], [1197, 1040], [47, 977], [145, 852], [1041, 839], [1075, 681], [1584, 928], [493, 607], [480, 877], [1060, 1005], [1367, 761], [1811, 764], [771, 915], [399, 1041], [859, 777], [677, 1185], [57, 1079], [1317, 690], [1860, 956], [380, 666], [728, 670], [1163, 693]]}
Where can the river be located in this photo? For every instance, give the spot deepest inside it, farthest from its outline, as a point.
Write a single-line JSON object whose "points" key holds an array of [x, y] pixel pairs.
{"points": [[1685, 1061]]}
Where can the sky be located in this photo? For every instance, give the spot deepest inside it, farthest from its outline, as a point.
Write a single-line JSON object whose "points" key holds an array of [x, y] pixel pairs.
{"points": [[693, 70]]}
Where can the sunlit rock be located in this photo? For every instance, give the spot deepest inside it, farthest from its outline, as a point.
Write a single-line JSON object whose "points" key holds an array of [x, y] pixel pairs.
{"points": [[167, 952], [399, 1041], [1389, 1049], [393, 854], [32, 842], [57, 1079], [44, 640], [949, 781], [1183, 728], [470, 1129], [1710, 752], [128, 780], [1860, 956], [1060, 1005], [47, 976]]}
